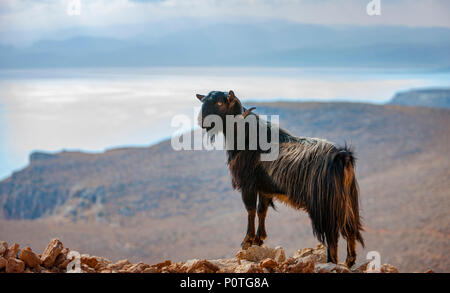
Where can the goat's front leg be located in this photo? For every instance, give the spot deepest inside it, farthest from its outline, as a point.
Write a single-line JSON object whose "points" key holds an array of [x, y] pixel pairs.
{"points": [[249, 199], [263, 205]]}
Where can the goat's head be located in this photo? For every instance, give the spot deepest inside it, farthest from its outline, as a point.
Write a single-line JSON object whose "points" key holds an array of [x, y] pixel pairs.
{"points": [[220, 104]]}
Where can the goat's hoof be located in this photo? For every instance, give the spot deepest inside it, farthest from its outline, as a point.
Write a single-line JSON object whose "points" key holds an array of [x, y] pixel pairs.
{"points": [[349, 263], [246, 244], [258, 241]]}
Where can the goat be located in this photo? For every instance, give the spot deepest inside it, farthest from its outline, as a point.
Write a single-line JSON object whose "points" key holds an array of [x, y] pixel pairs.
{"points": [[310, 174]]}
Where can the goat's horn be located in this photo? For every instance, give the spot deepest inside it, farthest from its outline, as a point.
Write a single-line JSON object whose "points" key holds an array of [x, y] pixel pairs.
{"points": [[248, 112]]}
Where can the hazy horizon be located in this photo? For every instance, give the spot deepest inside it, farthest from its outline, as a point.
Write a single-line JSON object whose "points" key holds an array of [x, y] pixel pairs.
{"points": [[96, 109]]}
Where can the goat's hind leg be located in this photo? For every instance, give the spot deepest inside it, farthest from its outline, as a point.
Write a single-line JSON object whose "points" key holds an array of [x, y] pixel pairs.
{"points": [[332, 248], [351, 251], [263, 204], [249, 199]]}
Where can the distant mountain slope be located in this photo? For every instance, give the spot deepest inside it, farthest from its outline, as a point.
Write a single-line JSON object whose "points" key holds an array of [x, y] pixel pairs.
{"points": [[439, 98], [271, 43], [166, 200]]}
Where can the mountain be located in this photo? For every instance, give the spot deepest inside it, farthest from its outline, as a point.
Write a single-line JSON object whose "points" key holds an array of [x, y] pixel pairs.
{"points": [[271, 43], [152, 203], [438, 98]]}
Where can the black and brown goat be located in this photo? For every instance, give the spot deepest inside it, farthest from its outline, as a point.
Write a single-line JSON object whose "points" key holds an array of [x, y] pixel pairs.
{"points": [[309, 174]]}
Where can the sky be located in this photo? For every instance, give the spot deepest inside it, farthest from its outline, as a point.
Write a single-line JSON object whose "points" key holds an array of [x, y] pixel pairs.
{"points": [[26, 21], [117, 107]]}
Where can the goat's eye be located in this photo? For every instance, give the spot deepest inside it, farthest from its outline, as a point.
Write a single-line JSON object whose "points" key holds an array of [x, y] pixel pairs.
{"points": [[219, 103]]}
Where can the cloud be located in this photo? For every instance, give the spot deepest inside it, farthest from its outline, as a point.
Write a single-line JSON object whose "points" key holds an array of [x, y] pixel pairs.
{"points": [[49, 16]]}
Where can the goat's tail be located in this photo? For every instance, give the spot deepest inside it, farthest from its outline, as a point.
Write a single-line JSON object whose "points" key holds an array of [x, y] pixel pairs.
{"points": [[351, 224], [337, 200]]}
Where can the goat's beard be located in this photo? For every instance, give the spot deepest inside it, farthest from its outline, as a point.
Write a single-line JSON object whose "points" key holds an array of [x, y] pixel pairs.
{"points": [[211, 131], [211, 134]]}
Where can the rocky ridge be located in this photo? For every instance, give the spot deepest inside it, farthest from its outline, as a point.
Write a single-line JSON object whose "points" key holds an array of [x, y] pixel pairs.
{"points": [[432, 97], [58, 259]]}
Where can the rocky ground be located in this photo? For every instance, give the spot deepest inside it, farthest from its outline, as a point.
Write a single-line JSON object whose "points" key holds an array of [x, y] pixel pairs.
{"points": [[57, 259]]}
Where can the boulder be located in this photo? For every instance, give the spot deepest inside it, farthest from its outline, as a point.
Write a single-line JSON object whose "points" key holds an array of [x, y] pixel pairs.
{"points": [[61, 258], [3, 262], [50, 253], [342, 269], [57, 270], [127, 266], [242, 268], [38, 269], [118, 265], [387, 268], [227, 270], [331, 268], [248, 268], [298, 265], [319, 253], [174, 268], [360, 267], [102, 263], [303, 252], [280, 256], [258, 253], [44, 271], [62, 261], [269, 264], [226, 265], [87, 269], [95, 262], [226, 262], [12, 251], [137, 268], [151, 270], [63, 265], [14, 265], [161, 265], [199, 266], [3, 248], [88, 260], [324, 268], [30, 258]]}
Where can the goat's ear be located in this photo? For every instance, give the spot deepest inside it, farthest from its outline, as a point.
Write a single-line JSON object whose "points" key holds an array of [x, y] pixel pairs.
{"points": [[231, 97], [200, 97]]}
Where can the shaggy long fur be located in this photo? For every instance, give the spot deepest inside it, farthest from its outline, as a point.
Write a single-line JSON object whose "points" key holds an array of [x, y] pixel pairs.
{"points": [[310, 174], [319, 177]]}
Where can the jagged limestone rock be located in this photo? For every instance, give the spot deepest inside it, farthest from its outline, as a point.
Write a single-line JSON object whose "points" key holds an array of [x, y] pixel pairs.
{"points": [[256, 259]]}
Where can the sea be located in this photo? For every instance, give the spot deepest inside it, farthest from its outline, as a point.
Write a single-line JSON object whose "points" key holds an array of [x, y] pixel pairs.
{"points": [[95, 109]]}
